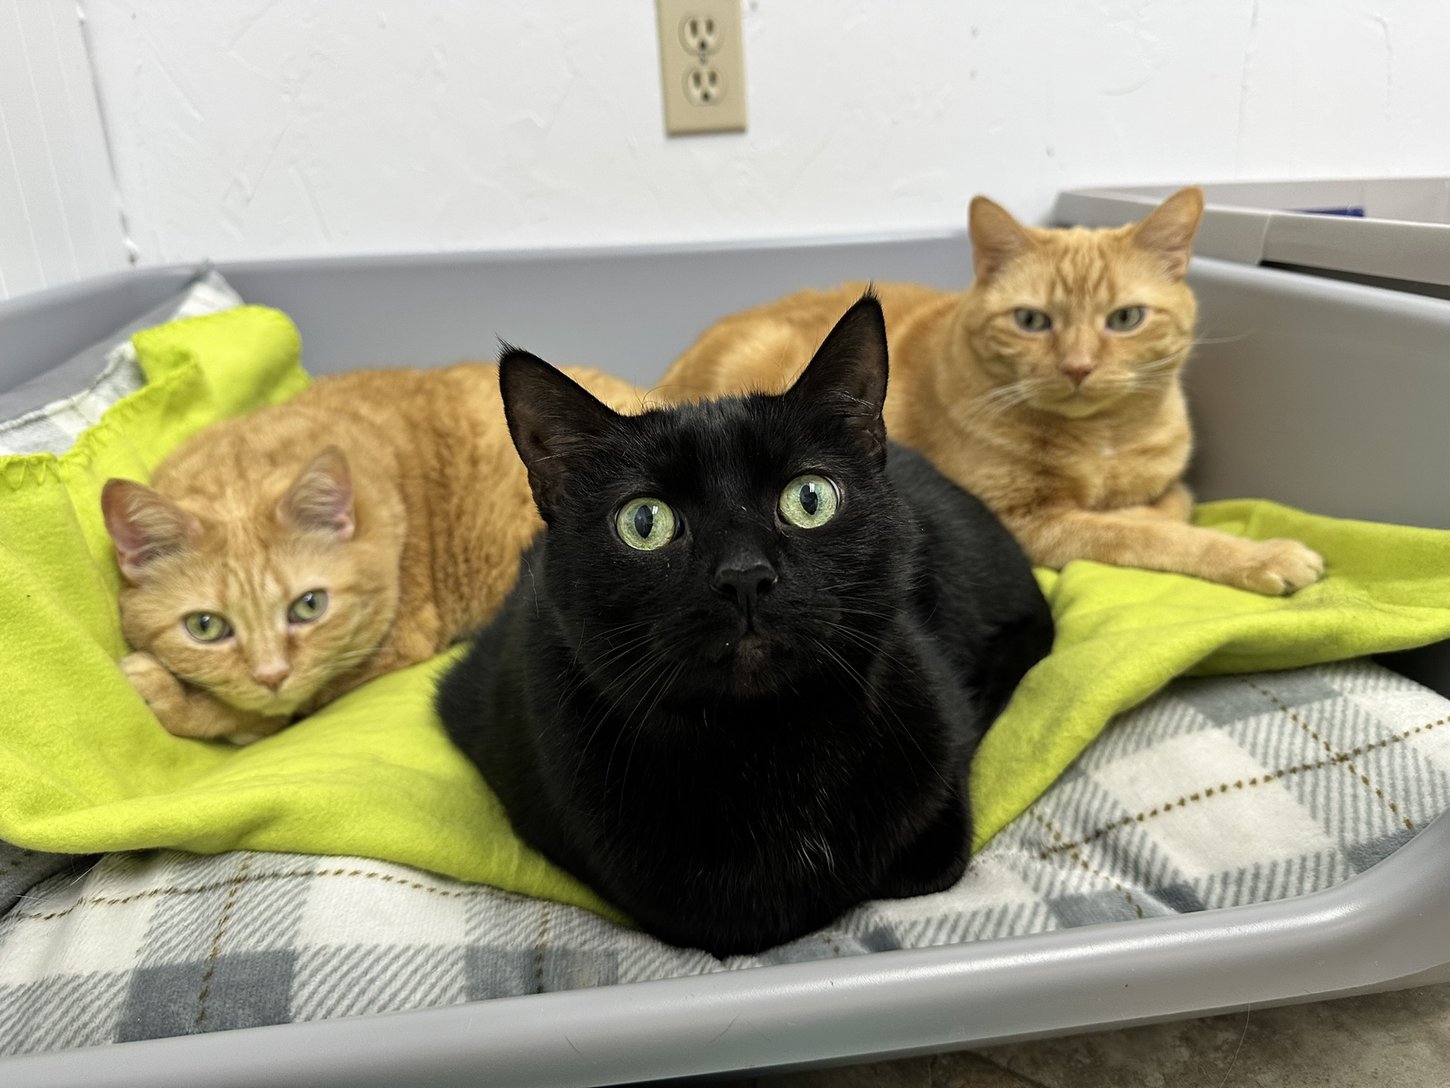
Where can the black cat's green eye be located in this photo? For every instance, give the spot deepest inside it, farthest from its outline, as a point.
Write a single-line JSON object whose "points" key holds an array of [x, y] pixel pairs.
{"points": [[809, 501], [1126, 318], [1029, 320], [645, 524], [207, 626], [308, 607]]}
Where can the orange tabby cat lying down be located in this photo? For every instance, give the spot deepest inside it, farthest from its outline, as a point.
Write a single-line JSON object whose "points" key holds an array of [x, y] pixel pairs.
{"points": [[1050, 388], [282, 559]]}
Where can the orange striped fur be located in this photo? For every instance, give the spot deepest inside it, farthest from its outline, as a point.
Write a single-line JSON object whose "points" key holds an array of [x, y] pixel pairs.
{"points": [[1075, 434]]}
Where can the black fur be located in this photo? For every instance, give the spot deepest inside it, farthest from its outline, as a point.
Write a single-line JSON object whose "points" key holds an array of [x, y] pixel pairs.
{"points": [[738, 736]]}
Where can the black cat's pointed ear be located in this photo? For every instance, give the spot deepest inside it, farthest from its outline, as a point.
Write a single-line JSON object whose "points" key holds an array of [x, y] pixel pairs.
{"points": [[996, 237], [1168, 230], [551, 418], [848, 372]]}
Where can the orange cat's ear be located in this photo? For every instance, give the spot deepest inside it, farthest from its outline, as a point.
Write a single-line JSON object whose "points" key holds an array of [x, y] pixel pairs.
{"points": [[320, 501], [550, 417], [996, 237], [847, 374], [144, 526], [1167, 231]]}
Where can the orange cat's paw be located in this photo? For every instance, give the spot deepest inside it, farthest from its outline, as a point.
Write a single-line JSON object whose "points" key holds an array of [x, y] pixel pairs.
{"points": [[1277, 568], [162, 692]]}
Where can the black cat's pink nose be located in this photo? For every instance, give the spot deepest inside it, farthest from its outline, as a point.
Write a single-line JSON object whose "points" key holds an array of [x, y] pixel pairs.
{"points": [[744, 582]]}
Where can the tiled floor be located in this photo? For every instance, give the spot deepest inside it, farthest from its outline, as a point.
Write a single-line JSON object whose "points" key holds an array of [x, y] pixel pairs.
{"points": [[1395, 1040]]}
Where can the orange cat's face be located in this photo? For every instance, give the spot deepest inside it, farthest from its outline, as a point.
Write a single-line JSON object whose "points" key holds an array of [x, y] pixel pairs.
{"points": [[262, 600], [1073, 321]]}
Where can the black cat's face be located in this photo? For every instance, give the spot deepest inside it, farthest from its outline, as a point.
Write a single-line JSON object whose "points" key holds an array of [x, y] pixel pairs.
{"points": [[742, 547], [731, 548]]}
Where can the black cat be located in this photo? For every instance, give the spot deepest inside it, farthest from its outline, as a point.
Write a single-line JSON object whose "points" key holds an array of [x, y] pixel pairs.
{"points": [[741, 678]]}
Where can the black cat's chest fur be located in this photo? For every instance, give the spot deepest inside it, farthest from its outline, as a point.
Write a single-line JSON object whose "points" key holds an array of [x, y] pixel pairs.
{"points": [[748, 827], [737, 732]]}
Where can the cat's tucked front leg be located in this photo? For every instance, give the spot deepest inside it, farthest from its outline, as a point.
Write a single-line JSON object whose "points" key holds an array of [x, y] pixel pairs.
{"points": [[936, 860], [1136, 539], [186, 711]]}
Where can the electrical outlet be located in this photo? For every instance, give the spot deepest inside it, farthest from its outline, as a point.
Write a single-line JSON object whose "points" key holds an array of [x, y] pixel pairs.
{"points": [[702, 66]]}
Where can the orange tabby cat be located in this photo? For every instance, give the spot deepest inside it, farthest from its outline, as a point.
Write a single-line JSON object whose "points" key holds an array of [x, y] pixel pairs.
{"points": [[1050, 388], [281, 559]]}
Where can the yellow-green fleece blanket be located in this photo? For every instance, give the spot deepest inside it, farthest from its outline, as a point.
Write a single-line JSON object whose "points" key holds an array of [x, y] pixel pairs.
{"points": [[85, 768]]}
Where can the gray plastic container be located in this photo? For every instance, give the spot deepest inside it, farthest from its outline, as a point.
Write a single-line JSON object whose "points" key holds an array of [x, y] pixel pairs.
{"points": [[1393, 232], [1326, 395]]}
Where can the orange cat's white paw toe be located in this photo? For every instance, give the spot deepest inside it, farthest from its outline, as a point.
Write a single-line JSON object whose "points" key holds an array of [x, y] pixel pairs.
{"points": [[155, 684], [1277, 568]]}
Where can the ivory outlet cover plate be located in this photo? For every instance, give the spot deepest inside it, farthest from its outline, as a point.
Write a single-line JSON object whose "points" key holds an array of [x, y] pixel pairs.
{"points": [[702, 66]]}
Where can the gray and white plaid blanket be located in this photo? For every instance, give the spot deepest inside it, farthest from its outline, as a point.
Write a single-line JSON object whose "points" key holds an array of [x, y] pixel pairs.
{"points": [[1215, 792]]}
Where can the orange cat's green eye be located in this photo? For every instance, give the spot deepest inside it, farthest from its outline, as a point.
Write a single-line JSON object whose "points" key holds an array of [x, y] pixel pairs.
{"points": [[1126, 318], [308, 607], [207, 626], [1031, 320]]}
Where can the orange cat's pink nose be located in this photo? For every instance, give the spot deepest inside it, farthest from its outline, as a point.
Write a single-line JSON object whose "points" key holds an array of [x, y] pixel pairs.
{"points": [[1077, 368], [272, 675]]}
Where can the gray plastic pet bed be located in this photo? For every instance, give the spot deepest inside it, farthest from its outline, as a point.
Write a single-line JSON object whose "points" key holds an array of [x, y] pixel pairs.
{"points": [[1324, 395]]}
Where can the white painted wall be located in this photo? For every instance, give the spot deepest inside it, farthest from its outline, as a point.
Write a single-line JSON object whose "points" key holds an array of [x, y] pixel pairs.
{"points": [[59, 219], [253, 128]]}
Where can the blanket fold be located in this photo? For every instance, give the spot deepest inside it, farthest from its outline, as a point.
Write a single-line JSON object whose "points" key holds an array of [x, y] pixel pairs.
{"points": [[85, 768], [1122, 634]]}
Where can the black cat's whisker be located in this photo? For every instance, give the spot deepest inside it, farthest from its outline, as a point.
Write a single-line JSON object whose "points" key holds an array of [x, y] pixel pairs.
{"points": [[583, 758], [640, 633], [604, 693], [851, 672], [633, 672], [879, 614], [656, 689], [864, 639], [644, 645], [860, 638], [601, 665], [600, 709], [630, 724], [617, 629], [660, 687], [583, 641], [902, 730], [614, 651]]}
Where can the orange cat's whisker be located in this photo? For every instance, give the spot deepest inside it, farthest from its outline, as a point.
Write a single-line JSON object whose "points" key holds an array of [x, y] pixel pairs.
{"points": [[1234, 339], [1165, 361]]}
